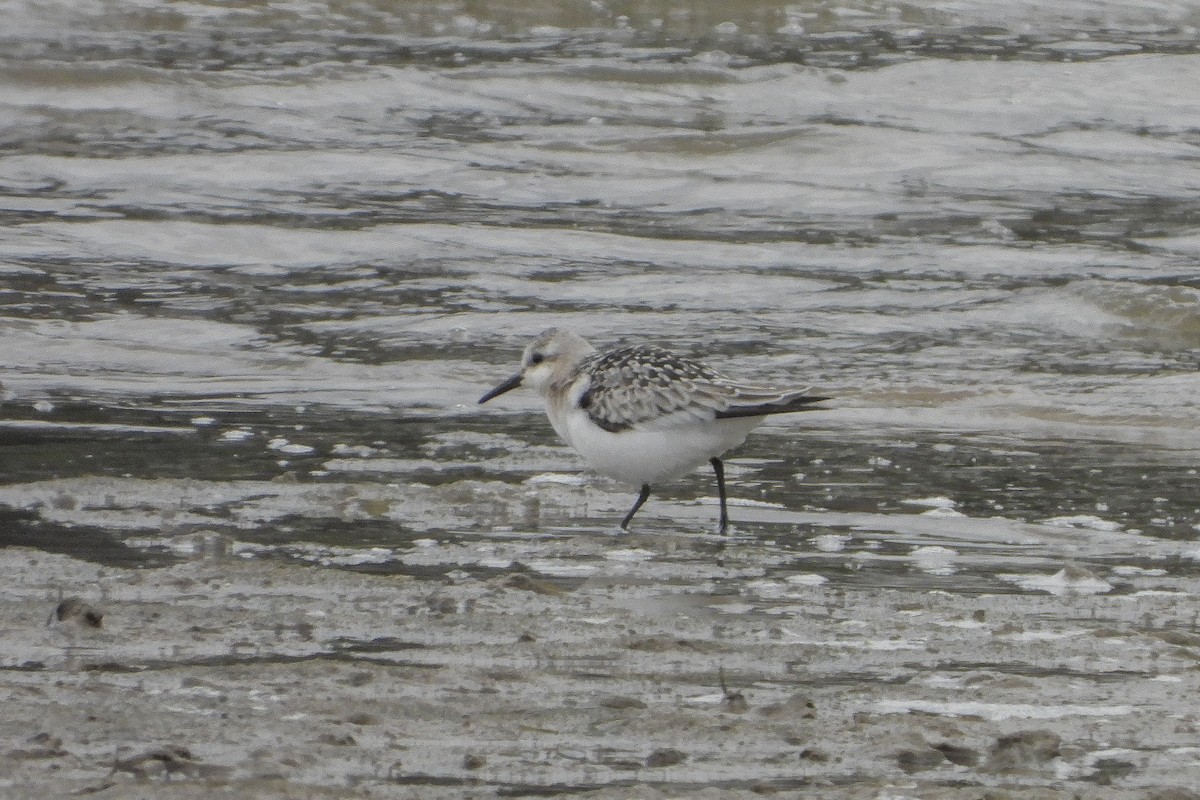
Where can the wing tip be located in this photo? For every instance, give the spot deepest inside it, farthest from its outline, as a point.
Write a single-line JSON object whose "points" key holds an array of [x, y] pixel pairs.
{"points": [[784, 406]]}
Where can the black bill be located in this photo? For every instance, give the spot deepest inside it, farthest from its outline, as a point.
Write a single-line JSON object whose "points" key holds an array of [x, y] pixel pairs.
{"points": [[507, 386]]}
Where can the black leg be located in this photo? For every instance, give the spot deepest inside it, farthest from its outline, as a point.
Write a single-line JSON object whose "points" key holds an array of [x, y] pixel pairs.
{"points": [[645, 493], [719, 469]]}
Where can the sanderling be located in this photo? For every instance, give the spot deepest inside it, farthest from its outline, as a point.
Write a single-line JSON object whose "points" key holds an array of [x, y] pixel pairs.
{"points": [[642, 414]]}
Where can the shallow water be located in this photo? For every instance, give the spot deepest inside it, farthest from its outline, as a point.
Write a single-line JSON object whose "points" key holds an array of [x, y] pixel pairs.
{"points": [[258, 263], [338, 225]]}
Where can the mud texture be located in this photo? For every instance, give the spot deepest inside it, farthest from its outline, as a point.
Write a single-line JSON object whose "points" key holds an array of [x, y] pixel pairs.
{"points": [[248, 677]]}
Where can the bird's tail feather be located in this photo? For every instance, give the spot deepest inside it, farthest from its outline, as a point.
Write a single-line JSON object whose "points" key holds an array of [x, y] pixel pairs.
{"points": [[762, 402]]}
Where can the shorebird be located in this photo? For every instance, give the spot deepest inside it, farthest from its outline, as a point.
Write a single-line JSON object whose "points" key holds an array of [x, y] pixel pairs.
{"points": [[642, 414]]}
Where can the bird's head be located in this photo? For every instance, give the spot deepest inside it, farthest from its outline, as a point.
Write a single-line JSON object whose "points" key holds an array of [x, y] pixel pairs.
{"points": [[548, 358]]}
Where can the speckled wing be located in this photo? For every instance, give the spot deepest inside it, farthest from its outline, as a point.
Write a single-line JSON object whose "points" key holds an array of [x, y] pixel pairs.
{"points": [[648, 386]]}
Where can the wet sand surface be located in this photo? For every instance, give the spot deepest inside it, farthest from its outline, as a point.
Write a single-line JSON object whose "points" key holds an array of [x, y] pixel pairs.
{"points": [[657, 666], [258, 261]]}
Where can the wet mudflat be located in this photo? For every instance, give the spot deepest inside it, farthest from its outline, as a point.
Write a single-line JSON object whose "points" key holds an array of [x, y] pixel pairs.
{"points": [[258, 262], [657, 666], [464, 635]]}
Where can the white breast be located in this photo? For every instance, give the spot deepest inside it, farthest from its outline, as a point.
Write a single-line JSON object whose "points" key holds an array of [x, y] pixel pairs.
{"points": [[641, 455]]}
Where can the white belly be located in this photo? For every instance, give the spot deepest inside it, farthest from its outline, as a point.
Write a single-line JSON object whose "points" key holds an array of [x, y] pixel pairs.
{"points": [[638, 457]]}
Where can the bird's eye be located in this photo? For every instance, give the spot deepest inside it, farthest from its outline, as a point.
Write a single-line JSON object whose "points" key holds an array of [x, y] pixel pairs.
{"points": [[536, 359]]}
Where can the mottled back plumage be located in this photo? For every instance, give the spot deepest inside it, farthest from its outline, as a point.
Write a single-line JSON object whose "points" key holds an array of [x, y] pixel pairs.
{"points": [[642, 386], [634, 385]]}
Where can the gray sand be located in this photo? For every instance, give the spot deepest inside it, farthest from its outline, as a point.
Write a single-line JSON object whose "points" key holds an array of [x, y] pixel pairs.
{"points": [[226, 676]]}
